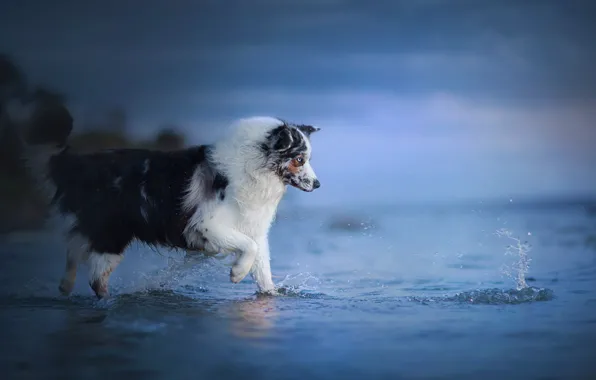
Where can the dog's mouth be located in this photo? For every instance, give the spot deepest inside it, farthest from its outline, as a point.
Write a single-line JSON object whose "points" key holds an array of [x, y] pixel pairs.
{"points": [[299, 187], [308, 189]]}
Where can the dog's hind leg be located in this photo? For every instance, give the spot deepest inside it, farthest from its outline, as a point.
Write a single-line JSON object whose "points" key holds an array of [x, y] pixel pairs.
{"points": [[76, 251], [101, 266]]}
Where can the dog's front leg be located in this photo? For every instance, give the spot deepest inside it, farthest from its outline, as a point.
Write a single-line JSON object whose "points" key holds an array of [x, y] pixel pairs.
{"points": [[261, 269], [231, 240]]}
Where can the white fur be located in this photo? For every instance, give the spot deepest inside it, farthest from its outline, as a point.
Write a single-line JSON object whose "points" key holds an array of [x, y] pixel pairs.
{"points": [[77, 251], [101, 263], [240, 224]]}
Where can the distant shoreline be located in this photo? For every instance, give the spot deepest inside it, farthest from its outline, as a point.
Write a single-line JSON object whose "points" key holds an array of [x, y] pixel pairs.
{"points": [[29, 216]]}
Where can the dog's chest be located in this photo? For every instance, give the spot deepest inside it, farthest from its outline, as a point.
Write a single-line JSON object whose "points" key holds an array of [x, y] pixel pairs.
{"points": [[255, 222], [256, 207]]}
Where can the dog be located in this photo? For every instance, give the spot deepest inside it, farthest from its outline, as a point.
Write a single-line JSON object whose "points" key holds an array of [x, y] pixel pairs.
{"points": [[217, 198]]}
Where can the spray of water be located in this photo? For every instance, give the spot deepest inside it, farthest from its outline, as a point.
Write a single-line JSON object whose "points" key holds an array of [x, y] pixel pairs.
{"points": [[520, 250]]}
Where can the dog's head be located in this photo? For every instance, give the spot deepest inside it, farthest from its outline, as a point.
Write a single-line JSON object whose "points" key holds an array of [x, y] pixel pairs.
{"points": [[288, 152]]}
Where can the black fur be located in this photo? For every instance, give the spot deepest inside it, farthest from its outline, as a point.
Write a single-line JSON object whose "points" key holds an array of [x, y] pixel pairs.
{"points": [[283, 138], [307, 129], [287, 141], [304, 128], [127, 194], [220, 182]]}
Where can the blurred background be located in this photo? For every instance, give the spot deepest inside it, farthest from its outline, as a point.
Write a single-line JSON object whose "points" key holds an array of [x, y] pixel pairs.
{"points": [[456, 221], [419, 101]]}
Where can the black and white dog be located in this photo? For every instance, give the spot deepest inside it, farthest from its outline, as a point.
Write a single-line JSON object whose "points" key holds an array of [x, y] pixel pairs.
{"points": [[219, 198]]}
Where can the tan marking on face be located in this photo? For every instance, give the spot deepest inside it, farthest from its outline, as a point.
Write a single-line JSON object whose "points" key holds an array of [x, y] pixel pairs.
{"points": [[295, 166]]}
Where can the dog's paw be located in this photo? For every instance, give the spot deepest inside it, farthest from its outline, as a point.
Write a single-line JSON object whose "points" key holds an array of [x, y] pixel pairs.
{"points": [[66, 287], [238, 272], [100, 289]]}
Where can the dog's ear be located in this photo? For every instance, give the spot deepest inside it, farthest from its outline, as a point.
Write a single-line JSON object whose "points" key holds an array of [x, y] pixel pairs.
{"points": [[282, 138], [308, 129]]}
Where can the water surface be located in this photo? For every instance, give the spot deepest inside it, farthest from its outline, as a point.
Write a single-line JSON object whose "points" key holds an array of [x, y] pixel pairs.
{"points": [[470, 293]]}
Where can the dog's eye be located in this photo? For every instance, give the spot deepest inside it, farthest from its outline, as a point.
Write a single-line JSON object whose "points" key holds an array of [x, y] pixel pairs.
{"points": [[299, 161]]}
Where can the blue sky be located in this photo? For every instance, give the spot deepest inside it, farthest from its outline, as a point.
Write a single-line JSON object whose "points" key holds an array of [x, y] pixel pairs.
{"points": [[418, 100]]}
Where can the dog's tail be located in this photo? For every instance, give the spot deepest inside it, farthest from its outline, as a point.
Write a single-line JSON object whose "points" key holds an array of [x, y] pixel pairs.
{"points": [[41, 130]]}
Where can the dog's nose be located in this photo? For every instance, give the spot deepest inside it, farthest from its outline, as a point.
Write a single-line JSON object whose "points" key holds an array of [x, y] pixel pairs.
{"points": [[316, 184]]}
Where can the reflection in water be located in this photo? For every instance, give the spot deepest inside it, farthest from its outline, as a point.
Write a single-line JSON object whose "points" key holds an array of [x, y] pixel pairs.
{"points": [[254, 318], [86, 345], [109, 339]]}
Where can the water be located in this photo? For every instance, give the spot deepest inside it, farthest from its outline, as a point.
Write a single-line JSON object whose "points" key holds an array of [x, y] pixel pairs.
{"points": [[383, 293]]}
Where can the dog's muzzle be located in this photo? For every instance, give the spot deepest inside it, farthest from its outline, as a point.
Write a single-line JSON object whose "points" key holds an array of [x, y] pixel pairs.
{"points": [[307, 186]]}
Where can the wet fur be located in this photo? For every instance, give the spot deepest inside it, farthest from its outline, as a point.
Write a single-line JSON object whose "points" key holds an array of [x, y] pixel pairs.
{"points": [[217, 198]]}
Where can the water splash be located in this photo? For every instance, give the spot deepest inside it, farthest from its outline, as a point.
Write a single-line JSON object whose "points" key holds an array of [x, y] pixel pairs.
{"points": [[493, 296], [294, 291], [520, 249], [304, 281]]}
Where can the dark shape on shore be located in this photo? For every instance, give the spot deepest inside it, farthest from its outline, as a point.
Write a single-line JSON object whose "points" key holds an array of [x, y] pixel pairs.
{"points": [[51, 124], [21, 207]]}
